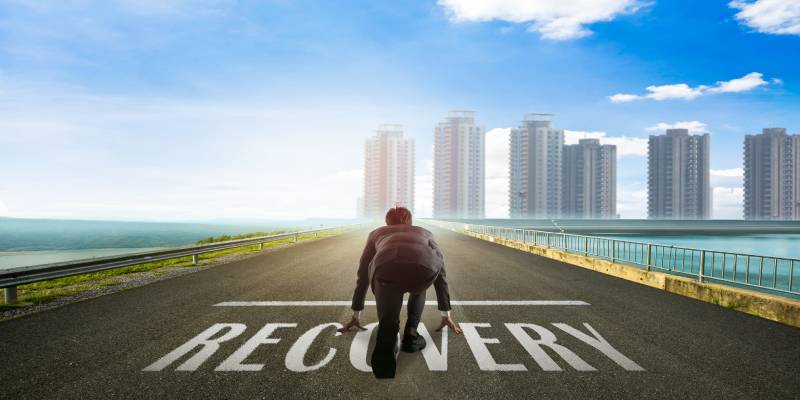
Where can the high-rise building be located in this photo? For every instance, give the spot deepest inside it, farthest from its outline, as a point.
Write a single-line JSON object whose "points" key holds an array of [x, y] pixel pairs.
{"points": [[458, 167], [535, 168], [388, 171], [678, 176], [772, 175], [589, 183]]}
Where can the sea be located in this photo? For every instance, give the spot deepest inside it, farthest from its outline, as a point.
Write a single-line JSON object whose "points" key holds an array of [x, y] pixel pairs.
{"points": [[27, 242]]}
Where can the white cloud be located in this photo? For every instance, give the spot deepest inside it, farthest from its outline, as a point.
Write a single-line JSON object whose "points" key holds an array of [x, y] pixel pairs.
{"points": [[682, 91], [632, 201], [553, 19], [626, 145], [733, 172], [743, 84], [350, 175], [727, 178], [692, 126], [623, 98], [779, 17], [423, 191], [677, 91], [728, 202], [497, 159]]}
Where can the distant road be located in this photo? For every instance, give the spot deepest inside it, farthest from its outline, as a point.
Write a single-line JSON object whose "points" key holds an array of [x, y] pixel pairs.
{"points": [[534, 328]]}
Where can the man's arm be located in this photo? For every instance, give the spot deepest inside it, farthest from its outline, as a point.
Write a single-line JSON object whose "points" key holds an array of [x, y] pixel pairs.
{"points": [[442, 293], [362, 282], [440, 284]]}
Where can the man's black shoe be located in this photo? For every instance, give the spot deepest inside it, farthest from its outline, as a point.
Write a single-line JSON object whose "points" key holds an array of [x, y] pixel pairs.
{"points": [[384, 363], [412, 344]]}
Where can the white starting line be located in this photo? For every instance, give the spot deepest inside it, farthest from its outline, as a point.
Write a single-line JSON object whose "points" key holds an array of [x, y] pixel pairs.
{"points": [[340, 303]]}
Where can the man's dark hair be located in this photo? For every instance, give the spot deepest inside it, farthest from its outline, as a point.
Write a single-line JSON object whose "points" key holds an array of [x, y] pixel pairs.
{"points": [[398, 215]]}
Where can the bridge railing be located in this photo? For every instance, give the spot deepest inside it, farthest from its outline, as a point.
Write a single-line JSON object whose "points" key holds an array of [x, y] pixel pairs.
{"points": [[777, 274], [13, 277]]}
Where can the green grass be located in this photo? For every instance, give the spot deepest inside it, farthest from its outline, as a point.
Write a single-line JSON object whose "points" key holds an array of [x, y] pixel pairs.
{"points": [[42, 292]]}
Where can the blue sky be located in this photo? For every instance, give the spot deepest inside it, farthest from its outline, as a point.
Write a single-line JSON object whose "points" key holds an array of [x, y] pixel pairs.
{"points": [[204, 109]]}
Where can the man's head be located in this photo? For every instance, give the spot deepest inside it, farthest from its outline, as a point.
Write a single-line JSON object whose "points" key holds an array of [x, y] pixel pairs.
{"points": [[397, 216]]}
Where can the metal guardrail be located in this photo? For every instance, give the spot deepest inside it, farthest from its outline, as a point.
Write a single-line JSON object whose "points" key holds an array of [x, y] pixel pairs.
{"points": [[777, 274], [11, 278]]}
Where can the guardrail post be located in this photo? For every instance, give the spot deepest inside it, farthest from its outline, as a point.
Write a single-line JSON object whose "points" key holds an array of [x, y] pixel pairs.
{"points": [[295, 238], [613, 250], [702, 264], [11, 295], [261, 246], [586, 245], [647, 261], [194, 259]]}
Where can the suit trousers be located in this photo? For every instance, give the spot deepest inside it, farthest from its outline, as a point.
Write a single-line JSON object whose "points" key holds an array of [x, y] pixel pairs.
{"points": [[389, 284]]}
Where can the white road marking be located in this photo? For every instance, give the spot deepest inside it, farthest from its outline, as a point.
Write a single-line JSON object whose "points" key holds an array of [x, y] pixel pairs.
{"points": [[427, 303]]}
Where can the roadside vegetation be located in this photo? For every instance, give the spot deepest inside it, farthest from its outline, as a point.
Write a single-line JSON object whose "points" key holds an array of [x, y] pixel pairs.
{"points": [[46, 291]]}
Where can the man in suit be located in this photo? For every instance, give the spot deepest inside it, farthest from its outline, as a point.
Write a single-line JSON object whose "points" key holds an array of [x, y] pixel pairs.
{"points": [[399, 258]]}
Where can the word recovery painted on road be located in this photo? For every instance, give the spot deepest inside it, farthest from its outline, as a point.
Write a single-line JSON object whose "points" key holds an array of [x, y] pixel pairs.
{"points": [[533, 338]]}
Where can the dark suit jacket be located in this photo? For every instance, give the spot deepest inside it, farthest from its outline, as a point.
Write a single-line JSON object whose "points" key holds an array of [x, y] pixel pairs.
{"points": [[405, 244]]}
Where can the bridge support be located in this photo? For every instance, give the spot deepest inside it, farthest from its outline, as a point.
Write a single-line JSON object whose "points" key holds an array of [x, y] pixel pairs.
{"points": [[11, 295]]}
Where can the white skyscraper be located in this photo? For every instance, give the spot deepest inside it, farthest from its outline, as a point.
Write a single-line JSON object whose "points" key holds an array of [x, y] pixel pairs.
{"points": [[388, 171], [772, 175], [589, 180], [535, 175], [678, 171], [458, 167]]}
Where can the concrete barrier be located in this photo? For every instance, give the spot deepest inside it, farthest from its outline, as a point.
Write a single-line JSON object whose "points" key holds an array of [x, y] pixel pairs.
{"points": [[775, 308]]}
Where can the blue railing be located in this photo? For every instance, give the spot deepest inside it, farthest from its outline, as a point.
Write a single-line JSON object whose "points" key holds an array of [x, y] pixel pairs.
{"points": [[777, 274]]}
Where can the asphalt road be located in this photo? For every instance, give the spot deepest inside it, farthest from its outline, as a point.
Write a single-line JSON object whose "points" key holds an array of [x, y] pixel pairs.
{"points": [[686, 349]]}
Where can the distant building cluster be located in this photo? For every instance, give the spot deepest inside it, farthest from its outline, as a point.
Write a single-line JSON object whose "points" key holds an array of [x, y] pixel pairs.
{"points": [[549, 179]]}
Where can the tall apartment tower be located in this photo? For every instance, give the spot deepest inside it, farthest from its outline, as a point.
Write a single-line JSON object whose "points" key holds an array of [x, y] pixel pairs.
{"points": [[589, 183], [772, 175], [458, 167], [388, 171], [535, 175], [678, 176]]}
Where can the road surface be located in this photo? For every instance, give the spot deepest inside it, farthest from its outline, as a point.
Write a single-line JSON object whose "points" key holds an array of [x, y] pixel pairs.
{"points": [[573, 333]]}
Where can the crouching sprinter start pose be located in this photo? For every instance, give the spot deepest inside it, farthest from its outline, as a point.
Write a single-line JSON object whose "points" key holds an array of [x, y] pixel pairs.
{"points": [[399, 258]]}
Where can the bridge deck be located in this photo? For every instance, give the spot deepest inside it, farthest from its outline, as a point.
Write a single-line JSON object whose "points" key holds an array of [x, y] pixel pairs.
{"points": [[688, 349]]}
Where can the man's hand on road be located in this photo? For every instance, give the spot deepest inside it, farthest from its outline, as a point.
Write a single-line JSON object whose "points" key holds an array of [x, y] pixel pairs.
{"points": [[354, 322], [446, 321]]}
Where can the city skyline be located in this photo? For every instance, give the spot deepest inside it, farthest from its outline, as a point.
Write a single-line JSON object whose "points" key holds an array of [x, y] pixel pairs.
{"points": [[201, 110]]}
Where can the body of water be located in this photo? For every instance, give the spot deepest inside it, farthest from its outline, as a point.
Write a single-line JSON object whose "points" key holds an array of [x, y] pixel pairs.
{"points": [[12, 259], [776, 245], [25, 242]]}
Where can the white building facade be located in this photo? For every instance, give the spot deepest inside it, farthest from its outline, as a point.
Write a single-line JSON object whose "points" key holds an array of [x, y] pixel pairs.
{"points": [[678, 185], [535, 170], [772, 175], [388, 171], [459, 167], [589, 180]]}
